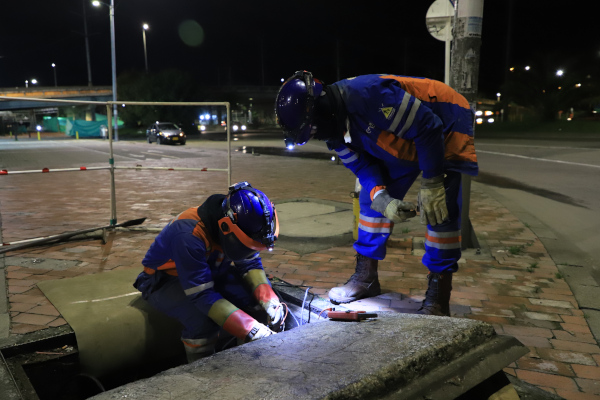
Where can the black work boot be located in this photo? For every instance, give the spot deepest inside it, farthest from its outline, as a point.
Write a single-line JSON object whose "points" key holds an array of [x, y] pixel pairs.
{"points": [[363, 283], [437, 297]]}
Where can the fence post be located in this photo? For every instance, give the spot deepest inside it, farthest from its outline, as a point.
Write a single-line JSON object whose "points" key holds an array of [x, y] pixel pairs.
{"points": [[228, 144], [111, 161]]}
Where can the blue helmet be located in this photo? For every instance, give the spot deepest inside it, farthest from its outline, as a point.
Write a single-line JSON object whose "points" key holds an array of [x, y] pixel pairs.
{"points": [[250, 223], [295, 106]]}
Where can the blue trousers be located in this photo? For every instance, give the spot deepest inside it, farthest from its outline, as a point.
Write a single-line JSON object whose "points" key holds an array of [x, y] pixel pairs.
{"points": [[442, 244], [164, 292]]}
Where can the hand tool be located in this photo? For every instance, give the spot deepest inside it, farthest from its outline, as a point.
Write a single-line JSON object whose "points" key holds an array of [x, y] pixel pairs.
{"points": [[349, 315]]}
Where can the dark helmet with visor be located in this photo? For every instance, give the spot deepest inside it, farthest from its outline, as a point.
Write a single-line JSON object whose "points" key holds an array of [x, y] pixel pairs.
{"points": [[294, 106], [250, 223]]}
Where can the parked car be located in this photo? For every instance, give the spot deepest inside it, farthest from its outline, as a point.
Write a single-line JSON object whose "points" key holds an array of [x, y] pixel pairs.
{"points": [[164, 133]]}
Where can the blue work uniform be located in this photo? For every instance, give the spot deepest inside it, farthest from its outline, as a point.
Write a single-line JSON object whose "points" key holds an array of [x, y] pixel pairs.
{"points": [[398, 127], [188, 277]]}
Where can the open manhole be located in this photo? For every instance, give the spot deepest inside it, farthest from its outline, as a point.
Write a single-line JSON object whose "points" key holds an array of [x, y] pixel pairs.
{"points": [[45, 365]]}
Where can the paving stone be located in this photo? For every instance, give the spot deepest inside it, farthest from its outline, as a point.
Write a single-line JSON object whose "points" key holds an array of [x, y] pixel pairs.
{"points": [[566, 356], [546, 366], [33, 319], [543, 379]]}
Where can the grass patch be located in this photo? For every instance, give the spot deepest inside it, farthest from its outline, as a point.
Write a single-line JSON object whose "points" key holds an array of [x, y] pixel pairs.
{"points": [[558, 275], [533, 265], [405, 230], [515, 250]]}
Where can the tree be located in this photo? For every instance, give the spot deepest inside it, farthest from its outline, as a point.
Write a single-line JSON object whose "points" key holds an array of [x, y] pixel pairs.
{"points": [[165, 86], [545, 91]]}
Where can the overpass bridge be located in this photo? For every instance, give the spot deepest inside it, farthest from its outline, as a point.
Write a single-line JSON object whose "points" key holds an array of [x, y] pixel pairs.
{"points": [[84, 93]]}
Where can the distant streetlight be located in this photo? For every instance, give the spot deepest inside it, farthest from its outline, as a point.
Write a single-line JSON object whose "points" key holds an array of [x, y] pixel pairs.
{"points": [[560, 72], [498, 95], [34, 81], [54, 69], [113, 57], [527, 68], [26, 83], [145, 28]]}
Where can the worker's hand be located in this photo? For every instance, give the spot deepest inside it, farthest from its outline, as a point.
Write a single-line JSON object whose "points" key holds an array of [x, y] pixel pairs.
{"points": [[258, 331], [393, 209], [432, 201], [276, 314]]}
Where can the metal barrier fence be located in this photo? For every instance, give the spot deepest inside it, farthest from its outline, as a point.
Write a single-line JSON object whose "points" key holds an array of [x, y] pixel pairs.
{"points": [[112, 167]]}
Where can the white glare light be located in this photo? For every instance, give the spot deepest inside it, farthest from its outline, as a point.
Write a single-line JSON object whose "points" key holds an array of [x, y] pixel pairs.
{"points": [[490, 120], [560, 72], [290, 147], [479, 113], [479, 120], [332, 158]]}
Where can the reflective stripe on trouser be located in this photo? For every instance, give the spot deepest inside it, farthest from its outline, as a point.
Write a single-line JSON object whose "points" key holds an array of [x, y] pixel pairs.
{"points": [[196, 349], [169, 298], [373, 228], [442, 241]]}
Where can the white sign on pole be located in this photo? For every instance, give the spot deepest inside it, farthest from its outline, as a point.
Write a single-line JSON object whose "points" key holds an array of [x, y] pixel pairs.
{"points": [[439, 20]]}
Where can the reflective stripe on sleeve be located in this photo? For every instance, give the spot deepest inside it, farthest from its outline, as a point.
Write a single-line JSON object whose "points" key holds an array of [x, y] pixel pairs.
{"points": [[347, 155], [374, 225], [443, 240], [199, 288]]}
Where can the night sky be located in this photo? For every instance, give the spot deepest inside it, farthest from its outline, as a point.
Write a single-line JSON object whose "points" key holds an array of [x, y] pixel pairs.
{"points": [[373, 37]]}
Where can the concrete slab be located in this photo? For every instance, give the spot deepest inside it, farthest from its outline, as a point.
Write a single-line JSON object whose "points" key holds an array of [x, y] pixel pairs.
{"points": [[394, 356]]}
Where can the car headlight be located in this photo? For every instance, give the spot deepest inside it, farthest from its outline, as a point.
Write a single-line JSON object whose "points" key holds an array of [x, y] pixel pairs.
{"points": [[235, 127], [161, 134], [202, 127], [243, 127], [181, 134]]}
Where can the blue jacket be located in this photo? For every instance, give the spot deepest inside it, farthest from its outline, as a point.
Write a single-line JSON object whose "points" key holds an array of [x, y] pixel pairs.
{"points": [[186, 248], [404, 122]]}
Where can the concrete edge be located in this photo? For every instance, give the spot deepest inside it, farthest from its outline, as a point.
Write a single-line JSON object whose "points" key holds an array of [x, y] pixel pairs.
{"points": [[460, 375]]}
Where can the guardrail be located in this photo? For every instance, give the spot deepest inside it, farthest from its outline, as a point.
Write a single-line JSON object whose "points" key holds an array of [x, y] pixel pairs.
{"points": [[112, 167]]}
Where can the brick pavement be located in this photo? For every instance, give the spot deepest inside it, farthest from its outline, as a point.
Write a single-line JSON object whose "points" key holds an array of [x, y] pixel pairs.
{"points": [[513, 284]]}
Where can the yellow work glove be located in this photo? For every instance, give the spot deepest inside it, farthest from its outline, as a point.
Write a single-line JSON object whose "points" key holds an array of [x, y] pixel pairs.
{"points": [[393, 209], [432, 201]]}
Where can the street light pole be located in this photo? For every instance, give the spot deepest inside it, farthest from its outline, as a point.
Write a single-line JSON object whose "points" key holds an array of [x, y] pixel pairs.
{"points": [[54, 69], [114, 68], [145, 28]]}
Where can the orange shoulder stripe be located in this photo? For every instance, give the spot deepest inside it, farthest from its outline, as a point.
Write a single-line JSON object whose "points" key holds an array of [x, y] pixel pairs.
{"points": [[459, 147], [398, 147], [430, 90]]}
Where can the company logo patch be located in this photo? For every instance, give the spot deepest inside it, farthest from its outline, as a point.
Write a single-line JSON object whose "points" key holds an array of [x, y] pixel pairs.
{"points": [[388, 112]]}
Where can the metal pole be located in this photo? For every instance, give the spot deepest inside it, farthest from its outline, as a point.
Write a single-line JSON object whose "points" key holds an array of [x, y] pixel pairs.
{"points": [[111, 162], [464, 73], [228, 106], [54, 69], [87, 45], [145, 53], [114, 68]]}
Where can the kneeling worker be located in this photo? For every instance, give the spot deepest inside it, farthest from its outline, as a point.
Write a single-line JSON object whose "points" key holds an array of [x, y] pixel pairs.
{"points": [[204, 269]]}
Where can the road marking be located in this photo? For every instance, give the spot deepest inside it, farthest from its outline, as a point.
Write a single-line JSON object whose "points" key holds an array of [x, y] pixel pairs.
{"points": [[479, 144], [135, 155], [538, 159], [160, 155]]}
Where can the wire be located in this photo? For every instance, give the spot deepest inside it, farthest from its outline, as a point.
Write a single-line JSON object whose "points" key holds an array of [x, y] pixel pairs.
{"points": [[325, 309]]}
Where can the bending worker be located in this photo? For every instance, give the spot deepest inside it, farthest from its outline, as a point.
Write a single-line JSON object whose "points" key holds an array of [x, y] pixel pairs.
{"points": [[388, 129], [204, 269]]}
